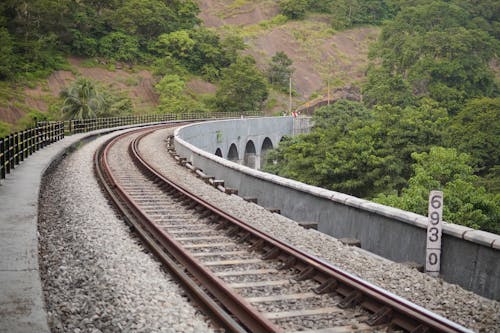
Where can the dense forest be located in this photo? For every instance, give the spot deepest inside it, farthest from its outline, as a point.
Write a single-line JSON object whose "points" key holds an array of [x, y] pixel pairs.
{"points": [[428, 116], [164, 35]]}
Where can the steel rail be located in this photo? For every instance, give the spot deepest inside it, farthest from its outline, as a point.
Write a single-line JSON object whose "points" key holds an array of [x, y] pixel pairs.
{"points": [[152, 234], [385, 306]]}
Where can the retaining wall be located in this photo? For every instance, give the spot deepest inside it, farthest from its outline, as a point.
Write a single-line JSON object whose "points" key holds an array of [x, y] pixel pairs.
{"points": [[470, 258]]}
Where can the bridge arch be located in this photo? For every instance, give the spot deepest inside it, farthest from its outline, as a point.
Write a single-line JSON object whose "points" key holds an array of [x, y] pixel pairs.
{"points": [[218, 152], [250, 155], [232, 155], [267, 145]]}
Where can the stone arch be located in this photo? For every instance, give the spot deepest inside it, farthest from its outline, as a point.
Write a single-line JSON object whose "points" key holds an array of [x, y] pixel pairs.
{"points": [[250, 154], [218, 152], [267, 145], [232, 155]]}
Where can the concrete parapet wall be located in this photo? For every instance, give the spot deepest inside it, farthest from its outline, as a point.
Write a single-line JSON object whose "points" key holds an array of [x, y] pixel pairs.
{"points": [[470, 258], [233, 139]]}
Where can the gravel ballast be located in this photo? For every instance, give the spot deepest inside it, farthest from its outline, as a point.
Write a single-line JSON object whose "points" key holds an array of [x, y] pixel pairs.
{"points": [[449, 300], [96, 275]]}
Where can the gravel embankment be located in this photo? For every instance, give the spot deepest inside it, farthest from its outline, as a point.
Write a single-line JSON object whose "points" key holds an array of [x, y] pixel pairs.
{"points": [[96, 275], [448, 300]]}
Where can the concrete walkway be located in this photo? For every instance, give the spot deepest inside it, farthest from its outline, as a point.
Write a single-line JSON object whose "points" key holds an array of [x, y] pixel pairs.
{"points": [[21, 297]]}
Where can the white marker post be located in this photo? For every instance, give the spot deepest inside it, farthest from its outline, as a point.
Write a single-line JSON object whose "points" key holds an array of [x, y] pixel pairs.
{"points": [[434, 233]]}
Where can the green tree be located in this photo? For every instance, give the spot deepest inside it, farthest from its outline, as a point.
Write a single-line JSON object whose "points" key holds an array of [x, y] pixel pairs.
{"points": [[280, 70], [198, 50], [406, 130], [115, 104], [347, 151], [7, 58], [171, 89], [173, 98], [5, 129], [475, 130], [242, 87], [384, 87], [82, 100], [177, 44], [147, 19], [294, 9], [447, 170], [432, 49], [232, 44], [119, 46]]}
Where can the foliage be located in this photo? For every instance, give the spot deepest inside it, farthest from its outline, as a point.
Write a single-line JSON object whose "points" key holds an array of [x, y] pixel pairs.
{"points": [[242, 87], [359, 151], [280, 70], [82, 100], [475, 130], [119, 46], [294, 9], [171, 89], [433, 51], [411, 129], [85, 99], [384, 87], [30, 119], [199, 50], [35, 33], [7, 57], [115, 104], [464, 202], [345, 152], [5, 129]]}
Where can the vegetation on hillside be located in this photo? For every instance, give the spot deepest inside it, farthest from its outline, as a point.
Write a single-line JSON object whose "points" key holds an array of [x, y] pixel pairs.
{"points": [[430, 116], [37, 36]]}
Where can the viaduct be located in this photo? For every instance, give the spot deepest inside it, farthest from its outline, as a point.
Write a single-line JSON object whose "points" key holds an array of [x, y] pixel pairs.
{"points": [[233, 150]]}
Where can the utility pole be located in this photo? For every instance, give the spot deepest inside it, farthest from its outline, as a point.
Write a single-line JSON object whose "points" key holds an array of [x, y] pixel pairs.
{"points": [[290, 95]]}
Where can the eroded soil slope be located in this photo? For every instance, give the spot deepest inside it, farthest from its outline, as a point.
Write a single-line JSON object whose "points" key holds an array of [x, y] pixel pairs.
{"points": [[320, 54], [137, 84]]}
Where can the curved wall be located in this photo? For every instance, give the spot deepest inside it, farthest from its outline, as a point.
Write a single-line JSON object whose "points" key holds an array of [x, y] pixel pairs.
{"points": [[470, 258], [232, 137]]}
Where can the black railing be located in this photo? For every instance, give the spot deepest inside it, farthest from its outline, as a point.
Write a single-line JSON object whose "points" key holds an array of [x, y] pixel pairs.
{"points": [[86, 125], [18, 146]]}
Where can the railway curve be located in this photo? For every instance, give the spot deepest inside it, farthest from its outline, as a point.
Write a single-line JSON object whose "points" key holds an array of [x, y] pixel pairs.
{"points": [[256, 282]]}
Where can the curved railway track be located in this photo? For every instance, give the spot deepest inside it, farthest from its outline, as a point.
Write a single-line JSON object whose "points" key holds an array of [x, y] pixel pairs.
{"points": [[245, 279]]}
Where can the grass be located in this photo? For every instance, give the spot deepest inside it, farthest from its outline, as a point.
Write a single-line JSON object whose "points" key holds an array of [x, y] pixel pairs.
{"points": [[9, 93], [239, 7], [129, 81]]}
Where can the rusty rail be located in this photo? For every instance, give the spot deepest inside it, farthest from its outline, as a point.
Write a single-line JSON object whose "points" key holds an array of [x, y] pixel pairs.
{"points": [[154, 236], [386, 308]]}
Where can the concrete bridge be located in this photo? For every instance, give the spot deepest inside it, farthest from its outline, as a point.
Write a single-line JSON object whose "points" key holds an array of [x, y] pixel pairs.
{"points": [[246, 140], [470, 258]]}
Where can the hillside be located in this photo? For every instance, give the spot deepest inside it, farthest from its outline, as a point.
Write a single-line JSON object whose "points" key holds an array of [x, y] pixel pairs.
{"points": [[136, 83], [319, 54]]}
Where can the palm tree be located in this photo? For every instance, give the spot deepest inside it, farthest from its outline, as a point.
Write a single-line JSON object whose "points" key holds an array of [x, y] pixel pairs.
{"points": [[82, 100]]}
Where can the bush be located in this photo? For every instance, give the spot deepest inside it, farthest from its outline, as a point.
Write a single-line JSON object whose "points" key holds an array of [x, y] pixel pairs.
{"points": [[119, 46], [294, 9]]}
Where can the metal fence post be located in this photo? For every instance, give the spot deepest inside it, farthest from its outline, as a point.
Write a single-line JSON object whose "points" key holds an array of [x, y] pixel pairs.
{"points": [[16, 148], [2, 158], [21, 146]]}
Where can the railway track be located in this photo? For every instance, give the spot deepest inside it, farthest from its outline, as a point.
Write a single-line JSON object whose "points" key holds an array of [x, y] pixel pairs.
{"points": [[245, 279]]}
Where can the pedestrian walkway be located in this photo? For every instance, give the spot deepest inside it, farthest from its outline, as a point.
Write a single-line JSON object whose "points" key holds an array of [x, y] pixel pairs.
{"points": [[21, 297]]}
